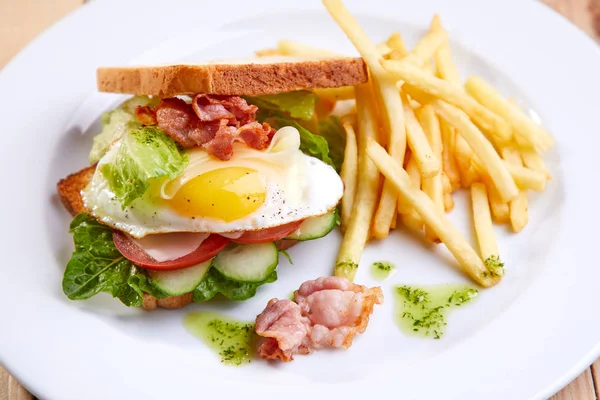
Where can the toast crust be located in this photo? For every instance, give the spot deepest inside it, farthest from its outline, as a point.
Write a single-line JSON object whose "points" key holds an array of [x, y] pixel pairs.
{"points": [[69, 189], [232, 79]]}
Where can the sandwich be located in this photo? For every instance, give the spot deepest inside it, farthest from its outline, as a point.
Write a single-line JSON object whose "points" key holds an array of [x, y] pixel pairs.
{"points": [[204, 177]]}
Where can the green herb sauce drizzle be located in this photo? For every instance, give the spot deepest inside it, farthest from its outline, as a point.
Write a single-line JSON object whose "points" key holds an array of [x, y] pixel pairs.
{"points": [[231, 339], [422, 311], [381, 270]]}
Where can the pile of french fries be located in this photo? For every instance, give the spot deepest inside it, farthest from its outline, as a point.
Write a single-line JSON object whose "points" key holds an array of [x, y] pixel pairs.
{"points": [[418, 134]]}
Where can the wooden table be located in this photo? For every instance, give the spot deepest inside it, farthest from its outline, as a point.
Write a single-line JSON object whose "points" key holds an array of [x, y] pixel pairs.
{"points": [[22, 20]]}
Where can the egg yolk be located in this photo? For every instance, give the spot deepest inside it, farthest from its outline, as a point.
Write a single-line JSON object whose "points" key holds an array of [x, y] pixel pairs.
{"points": [[226, 194]]}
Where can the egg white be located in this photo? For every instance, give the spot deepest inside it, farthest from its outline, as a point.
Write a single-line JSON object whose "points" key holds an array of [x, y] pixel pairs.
{"points": [[297, 187]]}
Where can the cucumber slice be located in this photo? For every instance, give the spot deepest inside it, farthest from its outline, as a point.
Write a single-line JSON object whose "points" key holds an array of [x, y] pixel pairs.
{"points": [[247, 262], [179, 281], [314, 228]]}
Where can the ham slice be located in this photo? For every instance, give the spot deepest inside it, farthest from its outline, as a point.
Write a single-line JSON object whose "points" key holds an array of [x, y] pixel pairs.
{"points": [[327, 312]]}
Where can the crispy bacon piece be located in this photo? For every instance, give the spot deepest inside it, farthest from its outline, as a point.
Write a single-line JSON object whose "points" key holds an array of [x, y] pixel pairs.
{"points": [[177, 119], [328, 311], [145, 115], [210, 121]]}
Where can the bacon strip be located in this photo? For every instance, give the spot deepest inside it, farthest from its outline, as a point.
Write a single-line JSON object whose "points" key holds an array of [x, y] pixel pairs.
{"points": [[210, 121], [328, 311]]}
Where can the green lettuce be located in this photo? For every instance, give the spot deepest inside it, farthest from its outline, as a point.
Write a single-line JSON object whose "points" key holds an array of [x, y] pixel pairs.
{"points": [[331, 129], [115, 123], [144, 154], [299, 104], [97, 266], [311, 144], [214, 283]]}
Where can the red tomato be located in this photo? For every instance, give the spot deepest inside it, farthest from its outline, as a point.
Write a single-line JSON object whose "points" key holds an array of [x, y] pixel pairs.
{"points": [[268, 235], [207, 249]]}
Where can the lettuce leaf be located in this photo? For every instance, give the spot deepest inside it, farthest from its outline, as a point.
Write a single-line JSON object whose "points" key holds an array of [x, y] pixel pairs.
{"points": [[214, 283], [331, 129], [142, 155], [311, 144], [115, 123], [97, 266], [299, 104]]}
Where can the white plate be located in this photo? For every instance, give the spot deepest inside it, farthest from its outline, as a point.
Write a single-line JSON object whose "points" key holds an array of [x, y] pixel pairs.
{"points": [[523, 339]]}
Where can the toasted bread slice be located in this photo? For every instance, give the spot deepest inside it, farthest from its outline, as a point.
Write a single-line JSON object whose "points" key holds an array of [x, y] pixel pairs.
{"points": [[69, 189], [253, 77]]}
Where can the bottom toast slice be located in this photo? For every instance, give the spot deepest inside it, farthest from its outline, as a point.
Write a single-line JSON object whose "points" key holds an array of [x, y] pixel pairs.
{"points": [[69, 190]]}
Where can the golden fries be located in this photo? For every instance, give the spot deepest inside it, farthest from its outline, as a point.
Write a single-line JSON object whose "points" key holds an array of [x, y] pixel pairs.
{"points": [[526, 178], [448, 202], [446, 69], [383, 49], [357, 231], [495, 127], [396, 43], [425, 49], [533, 160], [518, 206], [488, 157], [465, 161], [482, 220], [457, 136], [527, 130], [449, 164], [389, 101], [437, 221], [349, 174], [410, 217], [500, 209], [432, 186], [428, 164]]}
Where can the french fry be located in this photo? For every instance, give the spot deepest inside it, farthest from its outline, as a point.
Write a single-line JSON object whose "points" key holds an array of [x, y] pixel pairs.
{"points": [[436, 220], [428, 164], [526, 178], [523, 126], [446, 69], [384, 49], [432, 186], [394, 221], [410, 217], [449, 164], [425, 48], [396, 43], [416, 94], [291, 48], [365, 200], [448, 202], [490, 160], [465, 157], [532, 159], [336, 94], [482, 220], [518, 206], [496, 128], [388, 99], [349, 174], [500, 209]]}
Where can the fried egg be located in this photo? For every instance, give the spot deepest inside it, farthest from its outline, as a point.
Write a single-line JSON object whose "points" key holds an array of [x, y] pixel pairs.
{"points": [[255, 189]]}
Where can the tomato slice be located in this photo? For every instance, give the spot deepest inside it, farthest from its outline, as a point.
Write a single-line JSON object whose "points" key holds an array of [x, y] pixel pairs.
{"points": [[131, 251], [268, 235]]}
